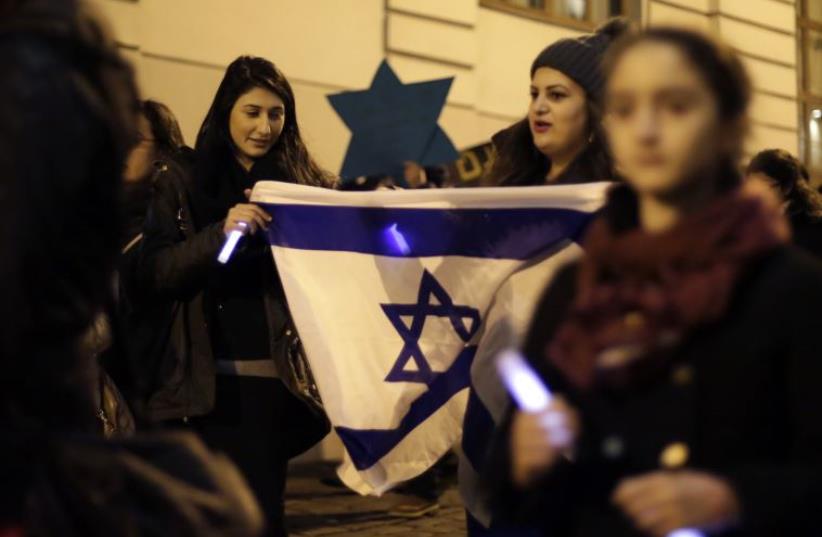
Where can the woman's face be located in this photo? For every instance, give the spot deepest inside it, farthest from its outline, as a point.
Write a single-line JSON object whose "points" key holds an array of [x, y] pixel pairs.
{"points": [[142, 155], [662, 120], [256, 122], [558, 115]]}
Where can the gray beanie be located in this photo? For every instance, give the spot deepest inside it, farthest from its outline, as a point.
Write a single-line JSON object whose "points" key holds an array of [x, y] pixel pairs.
{"points": [[579, 58]]}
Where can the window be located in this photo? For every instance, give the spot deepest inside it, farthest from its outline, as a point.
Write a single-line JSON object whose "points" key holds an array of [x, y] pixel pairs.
{"points": [[810, 95], [579, 14]]}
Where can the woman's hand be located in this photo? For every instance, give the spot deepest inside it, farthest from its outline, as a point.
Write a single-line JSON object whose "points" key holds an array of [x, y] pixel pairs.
{"points": [[246, 217], [539, 439], [661, 502]]}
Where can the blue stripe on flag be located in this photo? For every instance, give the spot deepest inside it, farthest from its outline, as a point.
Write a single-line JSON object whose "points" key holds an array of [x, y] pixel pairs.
{"points": [[367, 446], [397, 232]]}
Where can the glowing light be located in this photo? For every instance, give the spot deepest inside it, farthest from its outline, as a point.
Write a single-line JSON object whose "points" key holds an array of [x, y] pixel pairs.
{"points": [[522, 382], [231, 243], [686, 533], [397, 239], [816, 114]]}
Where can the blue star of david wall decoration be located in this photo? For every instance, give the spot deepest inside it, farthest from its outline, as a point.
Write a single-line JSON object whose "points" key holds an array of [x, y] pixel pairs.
{"points": [[441, 306], [392, 123]]}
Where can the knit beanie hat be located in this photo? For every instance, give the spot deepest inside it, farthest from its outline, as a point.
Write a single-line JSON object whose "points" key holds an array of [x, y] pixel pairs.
{"points": [[579, 58]]}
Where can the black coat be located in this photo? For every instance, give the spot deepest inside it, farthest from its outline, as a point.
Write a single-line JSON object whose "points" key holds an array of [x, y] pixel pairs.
{"points": [[807, 233], [744, 395], [178, 263]]}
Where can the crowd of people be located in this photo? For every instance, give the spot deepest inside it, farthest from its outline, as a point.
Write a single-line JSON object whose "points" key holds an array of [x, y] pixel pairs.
{"points": [[149, 390]]}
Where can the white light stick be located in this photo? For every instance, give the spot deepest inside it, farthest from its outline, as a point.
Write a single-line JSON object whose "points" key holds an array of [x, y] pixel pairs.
{"points": [[532, 395], [523, 383], [686, 533], [231, 243]]}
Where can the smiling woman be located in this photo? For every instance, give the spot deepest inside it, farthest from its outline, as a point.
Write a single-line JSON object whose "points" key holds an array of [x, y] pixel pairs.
{"points": [[255, 124], [254, 408]]}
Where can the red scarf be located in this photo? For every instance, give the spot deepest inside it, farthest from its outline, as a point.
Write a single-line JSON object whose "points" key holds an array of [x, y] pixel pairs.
{"points": [[639, 293]]}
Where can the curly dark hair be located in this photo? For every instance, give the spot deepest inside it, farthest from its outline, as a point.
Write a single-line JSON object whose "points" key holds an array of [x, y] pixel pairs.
{"points": [[518, 162], [792, 179]]}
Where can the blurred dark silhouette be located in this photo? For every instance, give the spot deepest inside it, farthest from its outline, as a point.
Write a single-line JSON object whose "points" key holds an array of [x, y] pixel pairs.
{"points": [[67, 108]]}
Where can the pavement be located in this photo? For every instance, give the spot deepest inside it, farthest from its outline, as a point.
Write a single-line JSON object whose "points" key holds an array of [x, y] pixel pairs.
{"points": [[316, 509]]}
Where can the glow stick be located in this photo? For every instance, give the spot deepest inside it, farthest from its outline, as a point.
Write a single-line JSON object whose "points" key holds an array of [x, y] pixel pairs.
{"points": [[231, 243], [686, 533], [398, 240], [532, 395], [523, 383]]}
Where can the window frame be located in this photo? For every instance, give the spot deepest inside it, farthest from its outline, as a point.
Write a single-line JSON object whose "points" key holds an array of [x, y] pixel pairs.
{"points": [[547, 15], [807, 100]]}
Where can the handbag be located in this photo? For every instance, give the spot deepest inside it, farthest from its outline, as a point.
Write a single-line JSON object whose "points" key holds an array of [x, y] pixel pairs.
{"points": [[113, 411], [306, 414]]}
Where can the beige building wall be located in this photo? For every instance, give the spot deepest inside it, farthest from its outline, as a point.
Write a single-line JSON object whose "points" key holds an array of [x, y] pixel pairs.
{"points": [[181, 47], [763, 32]]}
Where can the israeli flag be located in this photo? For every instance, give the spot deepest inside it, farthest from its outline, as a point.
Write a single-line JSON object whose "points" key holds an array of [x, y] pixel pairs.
{"points": [[392, 291]]}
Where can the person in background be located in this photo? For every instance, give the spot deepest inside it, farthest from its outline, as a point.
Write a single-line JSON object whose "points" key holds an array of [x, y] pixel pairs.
{"points": [[126, 337], [415, 176], [803, 204], [243, 392], [560, 141], [683, 348], [159, 140], [61, 74]]}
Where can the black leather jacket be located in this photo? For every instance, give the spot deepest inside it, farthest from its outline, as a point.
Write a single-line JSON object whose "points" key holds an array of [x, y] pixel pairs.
{"points": [[177, 262]]}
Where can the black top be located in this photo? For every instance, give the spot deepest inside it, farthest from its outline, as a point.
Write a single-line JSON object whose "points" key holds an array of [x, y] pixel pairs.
{"points": [[742, 394], [240, 328], [807, 233], [136, 197]]}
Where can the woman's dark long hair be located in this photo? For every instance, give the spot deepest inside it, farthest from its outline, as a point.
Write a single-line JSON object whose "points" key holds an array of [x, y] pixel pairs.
{"points": [[518, 162], [728, 81], [792, 179], [168, 139], [214, 148]]}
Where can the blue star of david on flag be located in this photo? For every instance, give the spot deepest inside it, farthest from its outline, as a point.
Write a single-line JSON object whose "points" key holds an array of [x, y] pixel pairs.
{"points": [[441, 306]]}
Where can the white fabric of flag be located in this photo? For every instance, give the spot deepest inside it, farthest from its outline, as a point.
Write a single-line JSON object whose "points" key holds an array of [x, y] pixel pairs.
{"points": [[390, 290]]}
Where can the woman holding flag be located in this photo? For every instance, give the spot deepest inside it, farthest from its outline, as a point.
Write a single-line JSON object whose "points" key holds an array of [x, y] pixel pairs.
{"points": [[235, 382], [561, 140], [682, 349]]}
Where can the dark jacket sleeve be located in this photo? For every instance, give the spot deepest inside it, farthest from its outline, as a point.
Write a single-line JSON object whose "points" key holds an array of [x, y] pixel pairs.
{"points": [[786, 498], [176, 263], [536, 505]]}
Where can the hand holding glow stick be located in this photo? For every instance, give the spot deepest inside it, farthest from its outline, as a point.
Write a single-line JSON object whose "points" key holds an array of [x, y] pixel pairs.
{"points": [[242, 219], [231, 243], [532, 395], [522, 382]]}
